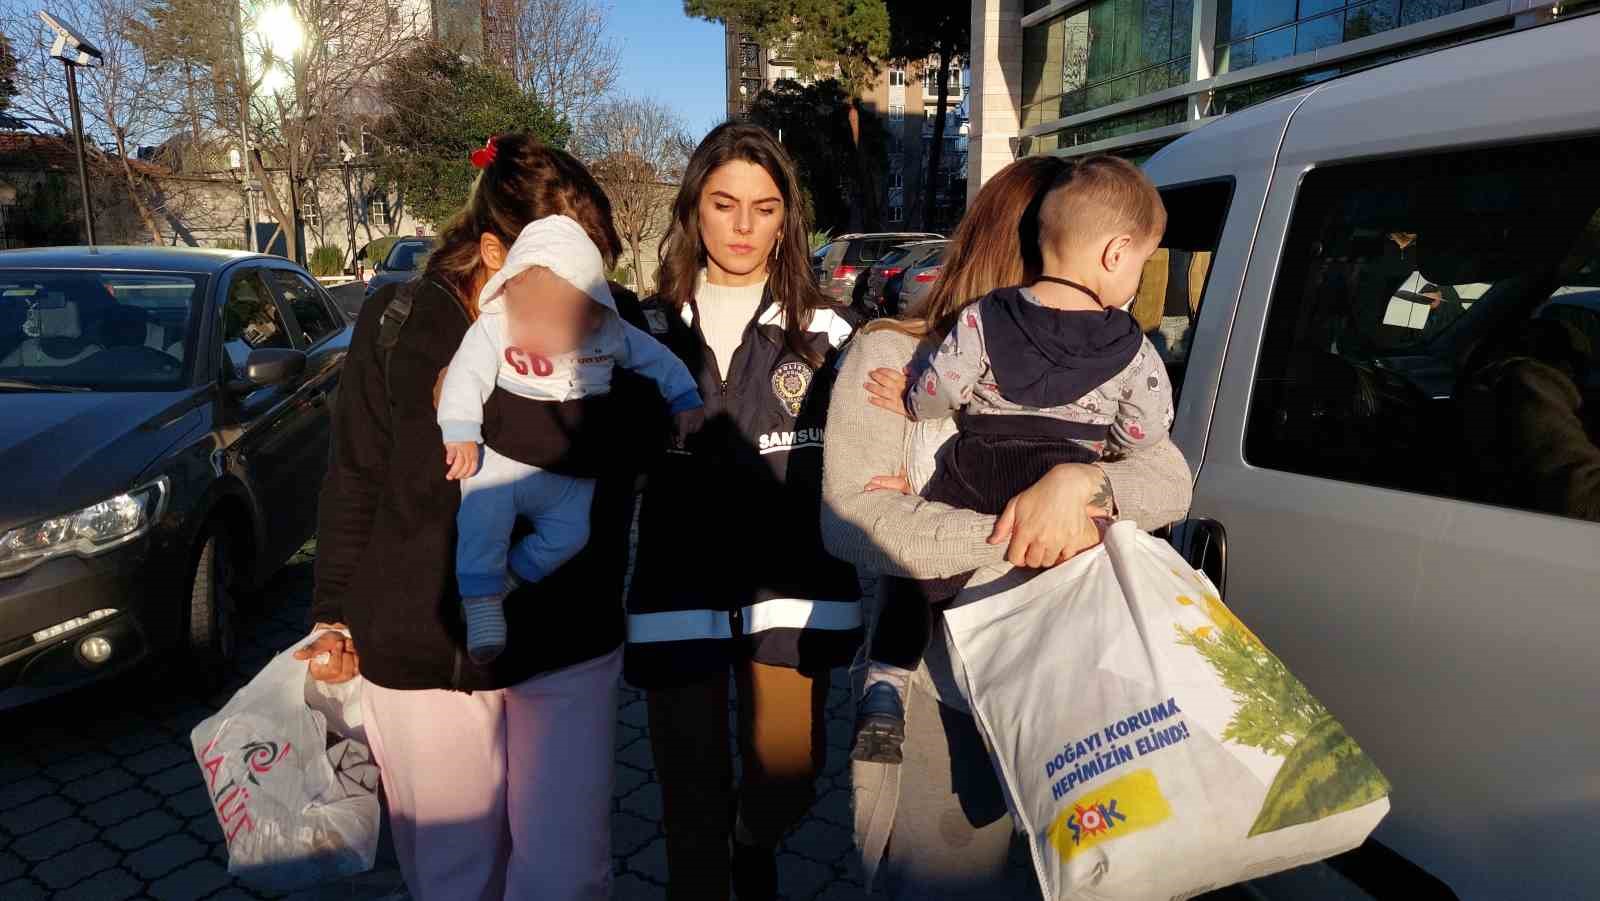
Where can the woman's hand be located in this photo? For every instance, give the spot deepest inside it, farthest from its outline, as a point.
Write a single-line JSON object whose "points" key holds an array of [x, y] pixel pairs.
{"points": [[887, 389], [897, 483], [1053, 521], [332, 657]]}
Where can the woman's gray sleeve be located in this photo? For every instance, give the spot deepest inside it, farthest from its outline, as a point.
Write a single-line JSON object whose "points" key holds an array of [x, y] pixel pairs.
{"points": [[885, 531], [1151, 488]]}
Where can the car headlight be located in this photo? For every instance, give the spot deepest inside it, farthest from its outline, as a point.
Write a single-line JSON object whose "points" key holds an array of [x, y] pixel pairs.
{"points": [[93, 530]]}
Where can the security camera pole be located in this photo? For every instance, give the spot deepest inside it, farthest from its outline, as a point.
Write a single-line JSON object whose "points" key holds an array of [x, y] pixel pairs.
{"points": [[74, 50]]}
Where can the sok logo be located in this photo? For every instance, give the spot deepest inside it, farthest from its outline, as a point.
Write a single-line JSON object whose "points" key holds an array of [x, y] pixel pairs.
{"points": [[1119, 808]]}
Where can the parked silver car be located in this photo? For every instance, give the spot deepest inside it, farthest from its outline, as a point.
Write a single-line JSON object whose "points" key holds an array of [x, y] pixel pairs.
{"points": [[1388, 399], [405, 261], [839, 264]]}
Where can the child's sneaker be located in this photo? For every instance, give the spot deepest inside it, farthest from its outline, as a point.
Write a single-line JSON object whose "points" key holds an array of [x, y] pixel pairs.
{"points": [[880, 726]]}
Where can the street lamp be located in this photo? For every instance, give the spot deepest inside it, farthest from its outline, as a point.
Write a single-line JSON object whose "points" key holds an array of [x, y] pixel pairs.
{"points": [[74, 50], [270, 59]]}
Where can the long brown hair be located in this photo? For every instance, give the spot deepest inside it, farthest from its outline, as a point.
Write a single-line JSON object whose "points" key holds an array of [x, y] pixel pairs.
{"points": [[526, 180], [789, 278], [996, 246]]}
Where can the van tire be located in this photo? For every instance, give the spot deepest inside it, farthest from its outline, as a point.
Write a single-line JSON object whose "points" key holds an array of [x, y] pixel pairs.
{"points": [[212, 637]]}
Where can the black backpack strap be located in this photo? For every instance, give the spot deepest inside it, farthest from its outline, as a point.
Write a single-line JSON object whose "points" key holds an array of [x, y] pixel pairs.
{"points": [[393, 319]]}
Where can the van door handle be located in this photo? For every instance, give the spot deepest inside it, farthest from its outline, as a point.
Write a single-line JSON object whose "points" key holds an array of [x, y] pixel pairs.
{"points": [[1204, 543]]}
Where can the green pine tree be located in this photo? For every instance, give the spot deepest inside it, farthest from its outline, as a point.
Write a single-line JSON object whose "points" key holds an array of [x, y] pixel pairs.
{"points": [[441, 108], [1275, 710]]}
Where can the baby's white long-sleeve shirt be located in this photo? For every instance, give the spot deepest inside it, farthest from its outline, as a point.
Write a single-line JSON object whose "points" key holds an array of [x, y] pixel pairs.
{"points": [[487, 359]]}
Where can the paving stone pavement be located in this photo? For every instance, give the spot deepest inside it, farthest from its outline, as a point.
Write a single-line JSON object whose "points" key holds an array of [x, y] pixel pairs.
{"points": [[101, 799]]}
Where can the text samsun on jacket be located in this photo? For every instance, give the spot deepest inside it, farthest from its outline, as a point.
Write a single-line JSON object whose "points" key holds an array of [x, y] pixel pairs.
{"points": [[730, 563]]}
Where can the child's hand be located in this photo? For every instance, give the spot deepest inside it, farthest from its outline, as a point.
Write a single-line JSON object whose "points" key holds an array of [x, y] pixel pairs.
{"points": [[460, 459], [890, 483], [687, 423], [888, 390]]}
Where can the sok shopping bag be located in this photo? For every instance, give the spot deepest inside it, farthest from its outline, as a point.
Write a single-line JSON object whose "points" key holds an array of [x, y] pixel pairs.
{"points": [[296, 806], [1150, 745]]}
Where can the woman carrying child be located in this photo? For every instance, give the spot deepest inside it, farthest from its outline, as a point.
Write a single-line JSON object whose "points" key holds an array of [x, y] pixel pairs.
{"points": [[936, 825], [731, 577], [498, 776], [1035, 376]]}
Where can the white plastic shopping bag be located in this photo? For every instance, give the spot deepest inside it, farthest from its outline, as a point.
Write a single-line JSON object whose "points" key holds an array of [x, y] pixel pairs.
{"points": [[295, 811], [1151, 746]]}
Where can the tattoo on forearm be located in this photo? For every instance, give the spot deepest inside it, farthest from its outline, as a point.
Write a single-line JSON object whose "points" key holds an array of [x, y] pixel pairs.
{"points": [[1102, 495]]}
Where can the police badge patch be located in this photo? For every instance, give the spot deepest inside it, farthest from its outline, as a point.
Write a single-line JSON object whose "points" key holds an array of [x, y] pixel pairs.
{"points": [[789, 383]]}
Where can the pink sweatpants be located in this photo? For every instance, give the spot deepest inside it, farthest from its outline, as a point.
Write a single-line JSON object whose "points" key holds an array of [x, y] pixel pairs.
{"points": [[501, 794]]}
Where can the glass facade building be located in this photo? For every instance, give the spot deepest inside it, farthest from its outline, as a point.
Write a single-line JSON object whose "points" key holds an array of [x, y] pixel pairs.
{"points": [[1127, 76]]}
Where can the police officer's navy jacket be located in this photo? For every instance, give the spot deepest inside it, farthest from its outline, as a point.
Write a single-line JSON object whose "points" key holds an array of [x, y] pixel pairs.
{"points": [[730, 564]]}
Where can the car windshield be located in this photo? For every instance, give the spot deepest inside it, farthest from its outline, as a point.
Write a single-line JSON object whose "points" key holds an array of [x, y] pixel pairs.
{"points": [[410, 256], [101, 331]]}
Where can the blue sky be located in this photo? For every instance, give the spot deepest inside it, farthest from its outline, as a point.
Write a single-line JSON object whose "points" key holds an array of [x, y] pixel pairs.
{"points": [[671, 57]]}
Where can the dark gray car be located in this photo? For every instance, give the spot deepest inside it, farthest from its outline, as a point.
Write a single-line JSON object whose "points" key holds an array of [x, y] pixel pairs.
{"points": [[840, 263], [885, 285], [919, 277], [404, 262], [166, 430]]}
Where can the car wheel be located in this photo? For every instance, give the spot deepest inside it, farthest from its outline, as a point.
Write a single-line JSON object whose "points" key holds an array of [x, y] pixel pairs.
{"points": [[213, 636]]}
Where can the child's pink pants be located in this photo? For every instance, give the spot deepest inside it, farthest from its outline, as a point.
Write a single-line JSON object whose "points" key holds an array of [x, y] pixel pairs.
{"points": [[501, 794]]}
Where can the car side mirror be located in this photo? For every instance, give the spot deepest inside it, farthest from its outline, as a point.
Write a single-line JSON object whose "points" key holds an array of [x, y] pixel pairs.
{"points": [[269, 366]]}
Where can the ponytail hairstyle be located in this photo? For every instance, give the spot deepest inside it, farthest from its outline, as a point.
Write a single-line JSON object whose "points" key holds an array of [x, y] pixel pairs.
{"points": [[523, 179], [789, 277]]}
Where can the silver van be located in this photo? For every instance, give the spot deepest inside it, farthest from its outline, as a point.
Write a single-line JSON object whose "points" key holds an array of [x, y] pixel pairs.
{"points": [[1390, 394]]}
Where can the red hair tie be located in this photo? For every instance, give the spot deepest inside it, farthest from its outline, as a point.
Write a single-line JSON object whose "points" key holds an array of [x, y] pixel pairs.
{"points": [[484, 155]]}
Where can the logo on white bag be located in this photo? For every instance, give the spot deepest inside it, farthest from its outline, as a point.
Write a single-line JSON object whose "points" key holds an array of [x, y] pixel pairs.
{"points": [[262, 756], [1093, 820], [231, 800], [1120, 808]]}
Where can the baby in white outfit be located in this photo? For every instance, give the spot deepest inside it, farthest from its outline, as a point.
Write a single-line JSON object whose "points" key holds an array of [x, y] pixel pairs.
{"points": [[547, 330]]}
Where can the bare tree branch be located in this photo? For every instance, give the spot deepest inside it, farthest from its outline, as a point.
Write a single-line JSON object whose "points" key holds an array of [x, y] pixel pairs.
{"points": [[637, 148], [121, 98], [564, 56]]}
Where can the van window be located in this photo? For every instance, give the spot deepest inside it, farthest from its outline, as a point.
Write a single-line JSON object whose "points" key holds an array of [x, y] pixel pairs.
{"points": [[1173, 284], [1433, 329]]}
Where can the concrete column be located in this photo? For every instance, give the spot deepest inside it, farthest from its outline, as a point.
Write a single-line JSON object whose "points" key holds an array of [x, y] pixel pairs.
{"points": [[1202, 52], [996, 97]]}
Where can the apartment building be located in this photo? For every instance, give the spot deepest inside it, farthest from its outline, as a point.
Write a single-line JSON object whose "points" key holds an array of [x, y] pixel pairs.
{"points": [[905, 97], [1074, 77]]}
